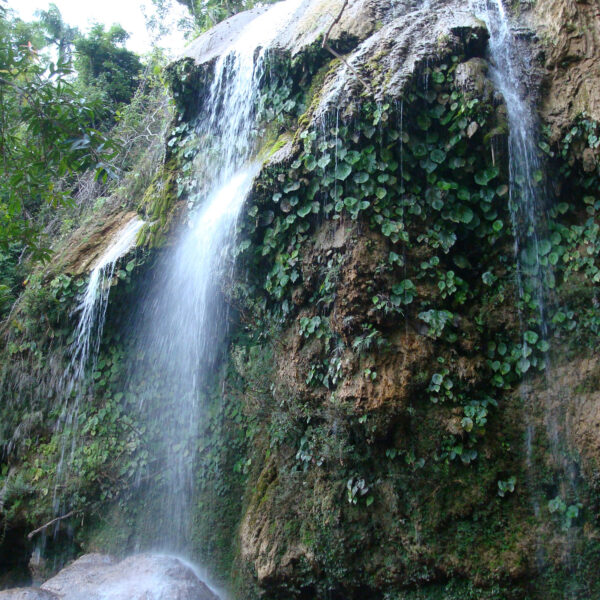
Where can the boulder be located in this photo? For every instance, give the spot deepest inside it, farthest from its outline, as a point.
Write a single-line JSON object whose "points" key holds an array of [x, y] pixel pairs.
{"points": [[101, 577], [28, 594]]}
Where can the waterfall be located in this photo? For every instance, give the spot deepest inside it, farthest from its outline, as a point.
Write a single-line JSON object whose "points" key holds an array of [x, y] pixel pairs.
{"points": [[508, 70], [93, 302], [91, 308], [535, 277], [183, 324], [508, 73]]}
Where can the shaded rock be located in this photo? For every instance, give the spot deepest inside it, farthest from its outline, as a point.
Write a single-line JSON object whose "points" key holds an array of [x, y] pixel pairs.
{"points": [[471, 77], [590, 161], [141, 577]]}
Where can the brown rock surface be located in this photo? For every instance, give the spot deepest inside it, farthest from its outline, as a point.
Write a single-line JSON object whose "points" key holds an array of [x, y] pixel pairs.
{"points": [[576, 386], [87, 245], [570, 30], [565, 406]]}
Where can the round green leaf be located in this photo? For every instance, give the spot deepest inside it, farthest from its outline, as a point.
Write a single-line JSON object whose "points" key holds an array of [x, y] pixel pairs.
{"points": [[343, 171], [438, 156]]}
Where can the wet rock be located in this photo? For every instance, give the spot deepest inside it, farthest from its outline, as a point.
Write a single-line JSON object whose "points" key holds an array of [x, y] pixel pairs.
{"points": [[283, 155], [383, 44], [215, 41], [388, 59], [471, 77], [87, 246], [310, 21], [28, 594], [141, 577], [566, 406]]}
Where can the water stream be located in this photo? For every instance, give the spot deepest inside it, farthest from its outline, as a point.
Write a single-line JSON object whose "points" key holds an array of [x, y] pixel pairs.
{"points": [[91, 308], [184, 321], [535, 278], [509, 71]]}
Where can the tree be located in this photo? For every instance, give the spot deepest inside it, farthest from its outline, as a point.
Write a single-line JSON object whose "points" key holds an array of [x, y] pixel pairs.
{"points": [[207, 13], [58, 33], [47, 134], [106, 66]]}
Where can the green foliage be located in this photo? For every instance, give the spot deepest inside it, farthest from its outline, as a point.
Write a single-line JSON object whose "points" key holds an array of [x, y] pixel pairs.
{"points": [[568, 513], [48, 134], [507, 486], [106, 68], [406, 185], [58, 33]]}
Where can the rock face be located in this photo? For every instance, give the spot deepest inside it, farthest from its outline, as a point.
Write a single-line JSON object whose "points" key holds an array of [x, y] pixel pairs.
{"points": [[572, 403], [401, 35], [310, 20], [87, 246], [100, 577], [570, 32]]}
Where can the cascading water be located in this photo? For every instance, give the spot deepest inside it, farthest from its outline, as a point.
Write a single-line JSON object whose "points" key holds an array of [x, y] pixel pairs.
{"points": [[91, 308], [508, 71], [94, 301], [184, 320], [535, 277]]}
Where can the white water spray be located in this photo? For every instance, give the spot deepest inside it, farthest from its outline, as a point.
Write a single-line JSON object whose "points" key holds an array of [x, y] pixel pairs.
{"points": [[91, 307], [94, 301]]}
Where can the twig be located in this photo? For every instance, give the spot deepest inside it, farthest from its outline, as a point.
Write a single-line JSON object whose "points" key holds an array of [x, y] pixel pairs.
{"points": [[334, 23], [49, 524], [329, 49]]}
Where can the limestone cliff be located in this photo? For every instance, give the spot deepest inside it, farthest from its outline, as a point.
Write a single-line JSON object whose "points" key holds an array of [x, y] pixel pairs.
{"points": [[570, 34], [393, 416]]}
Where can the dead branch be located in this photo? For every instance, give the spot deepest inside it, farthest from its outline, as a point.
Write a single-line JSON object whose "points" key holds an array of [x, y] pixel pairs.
{"points": [[49, 524], [335, 22], [337, 55]]}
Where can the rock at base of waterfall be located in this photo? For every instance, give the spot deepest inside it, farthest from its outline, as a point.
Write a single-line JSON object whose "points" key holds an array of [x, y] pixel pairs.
{"points": [[101, 577], [28, 594]]}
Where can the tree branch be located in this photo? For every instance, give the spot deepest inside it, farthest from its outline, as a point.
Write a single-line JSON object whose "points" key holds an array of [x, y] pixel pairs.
{"points": [[329, 49], [49, 524], [334, 23]]}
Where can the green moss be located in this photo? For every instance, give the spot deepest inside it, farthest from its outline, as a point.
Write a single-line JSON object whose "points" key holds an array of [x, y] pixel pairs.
{"points": [[159, 203]]}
